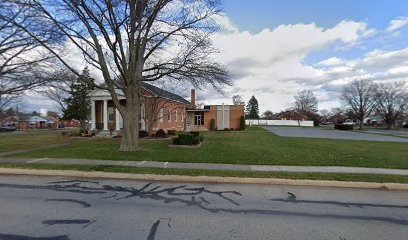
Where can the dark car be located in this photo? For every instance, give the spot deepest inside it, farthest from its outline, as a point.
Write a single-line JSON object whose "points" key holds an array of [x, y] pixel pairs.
{"points": [[7, 128]]}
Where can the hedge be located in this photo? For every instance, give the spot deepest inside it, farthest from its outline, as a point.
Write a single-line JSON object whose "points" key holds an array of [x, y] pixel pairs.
{"points": [[171, 132], [187, 139], [344, 127]]}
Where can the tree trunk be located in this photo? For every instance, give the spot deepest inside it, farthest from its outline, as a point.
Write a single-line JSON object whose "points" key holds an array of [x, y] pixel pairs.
{"points": [[389, 124], [131, 119], [150, 128], [82, 124], [361, 125]]}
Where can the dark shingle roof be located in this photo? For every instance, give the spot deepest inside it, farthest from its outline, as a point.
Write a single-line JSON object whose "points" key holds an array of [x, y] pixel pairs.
{"points": [[163, 93]]}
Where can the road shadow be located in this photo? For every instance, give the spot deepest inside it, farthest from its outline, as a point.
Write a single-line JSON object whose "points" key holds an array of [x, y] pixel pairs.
{"points": [[201, 198]]}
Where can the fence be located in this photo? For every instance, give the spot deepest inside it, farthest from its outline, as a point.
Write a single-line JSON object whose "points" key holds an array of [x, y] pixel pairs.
{"points": [[263, 122]]}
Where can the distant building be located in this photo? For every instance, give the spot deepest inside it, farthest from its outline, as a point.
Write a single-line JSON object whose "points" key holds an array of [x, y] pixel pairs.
{"points": [[31, 122]]}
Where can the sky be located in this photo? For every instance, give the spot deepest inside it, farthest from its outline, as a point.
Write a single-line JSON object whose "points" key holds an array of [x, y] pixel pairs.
{"points": [[276, 48]]}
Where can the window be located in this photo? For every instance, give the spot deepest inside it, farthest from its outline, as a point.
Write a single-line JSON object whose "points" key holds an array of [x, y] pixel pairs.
{"points": [[177, 115], [161, 115], [169, 115], [182, 115], [111, 114], [199, 118]]}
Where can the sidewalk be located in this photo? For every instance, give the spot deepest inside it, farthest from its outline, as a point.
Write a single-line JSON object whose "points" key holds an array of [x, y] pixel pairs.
{"points": [[207, 166]]}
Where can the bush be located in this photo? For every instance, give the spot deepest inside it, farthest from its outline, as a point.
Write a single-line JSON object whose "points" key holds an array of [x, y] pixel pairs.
{"points": [[196, 140], [212, 125], [201, 138], [195, 133], [242, 125], [176, 141], [185, 139], [171, 132], [161, 133], [406, 125], [143, 134], [344, 127]]}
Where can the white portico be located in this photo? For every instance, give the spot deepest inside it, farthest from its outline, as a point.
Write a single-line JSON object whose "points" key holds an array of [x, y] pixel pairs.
{"points": [[104, 115]]}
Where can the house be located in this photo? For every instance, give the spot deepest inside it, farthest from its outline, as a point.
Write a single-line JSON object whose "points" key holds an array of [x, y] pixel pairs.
{"points": [[70, 123], [291, 115], [162, 109]]}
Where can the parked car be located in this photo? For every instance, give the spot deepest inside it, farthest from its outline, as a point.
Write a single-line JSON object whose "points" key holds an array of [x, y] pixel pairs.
{"points": [[348, 122], [7, 128]]}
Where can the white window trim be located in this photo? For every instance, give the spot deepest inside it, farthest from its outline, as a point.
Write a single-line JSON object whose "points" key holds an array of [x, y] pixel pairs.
{"points": [[169, 115], [177, 115], [161, 115]]}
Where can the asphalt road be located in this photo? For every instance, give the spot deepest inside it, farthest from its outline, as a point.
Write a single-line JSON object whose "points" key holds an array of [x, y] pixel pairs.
{"points": [[330, 134], [60, 208]]}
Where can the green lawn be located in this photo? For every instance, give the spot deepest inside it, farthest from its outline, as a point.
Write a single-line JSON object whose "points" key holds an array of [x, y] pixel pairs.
{"points": [[29, 139], [254, 146]]}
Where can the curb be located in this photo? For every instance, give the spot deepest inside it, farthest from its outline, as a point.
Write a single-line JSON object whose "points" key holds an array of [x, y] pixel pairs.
{"points": [[205, 179]]}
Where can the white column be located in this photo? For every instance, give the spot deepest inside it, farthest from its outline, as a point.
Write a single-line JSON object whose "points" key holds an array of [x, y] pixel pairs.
{"points": [[105, 115], [117, 119], [93, 118]]}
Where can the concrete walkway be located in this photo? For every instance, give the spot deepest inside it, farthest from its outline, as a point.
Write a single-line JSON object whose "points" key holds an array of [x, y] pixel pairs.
{"points": [[206, 166]]}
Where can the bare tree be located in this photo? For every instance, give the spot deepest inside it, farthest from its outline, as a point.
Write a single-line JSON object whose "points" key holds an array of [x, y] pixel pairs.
{"points": [[305, 102], [22, 62], [268, 114], [135, 41], [391, 101], [237, 100], [360, 97], [61, 83], [154, 111]]}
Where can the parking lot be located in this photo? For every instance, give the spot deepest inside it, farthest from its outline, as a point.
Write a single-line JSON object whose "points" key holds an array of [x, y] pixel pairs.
{"points": [[330, 134]]}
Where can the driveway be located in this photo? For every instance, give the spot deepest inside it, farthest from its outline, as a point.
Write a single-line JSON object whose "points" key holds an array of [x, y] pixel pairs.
{"points": [[330, 134]]}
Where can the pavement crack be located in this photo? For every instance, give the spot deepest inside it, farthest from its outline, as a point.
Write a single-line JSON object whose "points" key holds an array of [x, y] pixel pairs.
{"points": [[66, 221]]}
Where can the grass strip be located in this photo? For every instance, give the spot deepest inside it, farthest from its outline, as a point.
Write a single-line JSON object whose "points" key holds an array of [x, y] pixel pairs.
{"points": [[347, 177]]}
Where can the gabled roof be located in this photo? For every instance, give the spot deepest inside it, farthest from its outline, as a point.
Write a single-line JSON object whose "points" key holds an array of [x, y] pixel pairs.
{"points": [[148, 87], [32, 119], [163, 93]]}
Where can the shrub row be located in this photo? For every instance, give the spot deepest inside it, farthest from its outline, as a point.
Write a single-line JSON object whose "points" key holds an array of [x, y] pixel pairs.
{"points": [[171, 132], [143, 134], [343, 127]]}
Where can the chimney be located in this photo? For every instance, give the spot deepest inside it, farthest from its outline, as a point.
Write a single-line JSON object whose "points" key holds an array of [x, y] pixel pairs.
{"points": [[193, 98]]}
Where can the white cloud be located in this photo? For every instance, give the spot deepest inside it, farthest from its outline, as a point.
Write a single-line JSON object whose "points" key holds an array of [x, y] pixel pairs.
{"points": [[270, 64], [333, 61], [397, 23]]}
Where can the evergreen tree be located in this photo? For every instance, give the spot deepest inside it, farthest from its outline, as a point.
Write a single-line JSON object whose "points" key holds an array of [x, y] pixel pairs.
{"points": [[78, 104], [252, 109]]}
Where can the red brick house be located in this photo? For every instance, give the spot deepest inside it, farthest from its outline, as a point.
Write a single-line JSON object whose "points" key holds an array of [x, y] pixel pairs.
{"points": [[162, 109]]}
